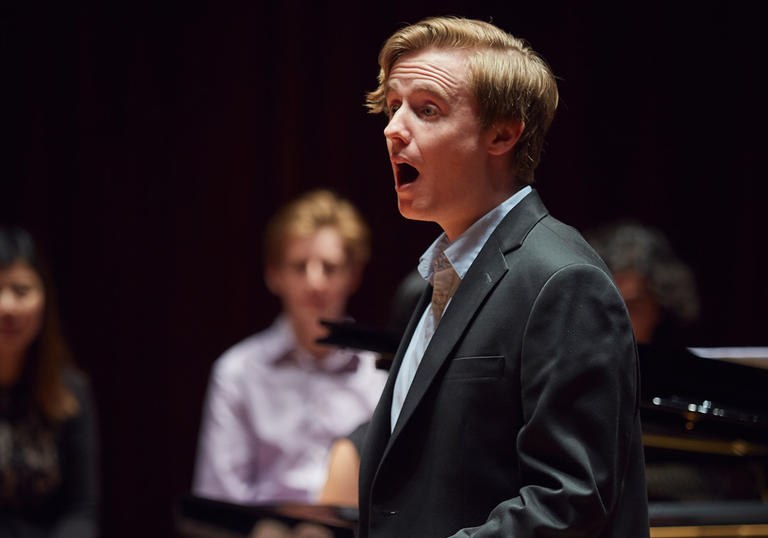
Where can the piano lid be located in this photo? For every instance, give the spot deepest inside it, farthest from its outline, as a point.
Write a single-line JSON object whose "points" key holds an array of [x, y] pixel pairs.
{"points": [[749, 356]]}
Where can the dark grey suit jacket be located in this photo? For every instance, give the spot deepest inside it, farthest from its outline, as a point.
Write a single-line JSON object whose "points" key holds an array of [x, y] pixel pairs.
{"points": [[522, 419]]}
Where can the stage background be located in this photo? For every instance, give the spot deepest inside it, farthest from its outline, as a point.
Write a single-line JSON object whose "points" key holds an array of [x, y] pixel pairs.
{"points": [[145, 145]]}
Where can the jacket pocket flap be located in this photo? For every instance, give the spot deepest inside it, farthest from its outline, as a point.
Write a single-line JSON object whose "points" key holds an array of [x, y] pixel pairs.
{"points": [[487, 367]]}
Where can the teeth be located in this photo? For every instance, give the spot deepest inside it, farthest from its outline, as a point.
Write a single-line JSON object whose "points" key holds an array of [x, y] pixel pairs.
{"points": [[407, 173]]}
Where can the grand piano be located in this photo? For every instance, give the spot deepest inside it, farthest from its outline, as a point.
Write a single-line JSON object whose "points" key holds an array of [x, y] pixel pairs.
{"points": [[705, 433]]}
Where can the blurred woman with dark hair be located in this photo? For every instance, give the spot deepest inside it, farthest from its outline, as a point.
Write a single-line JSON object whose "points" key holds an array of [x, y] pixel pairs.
{"points": [[48, 485]]}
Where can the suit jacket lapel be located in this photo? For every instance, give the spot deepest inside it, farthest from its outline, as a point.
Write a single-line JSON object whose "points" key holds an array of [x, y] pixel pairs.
{"points": [[425, 299], [467, 299], [378, 432]]}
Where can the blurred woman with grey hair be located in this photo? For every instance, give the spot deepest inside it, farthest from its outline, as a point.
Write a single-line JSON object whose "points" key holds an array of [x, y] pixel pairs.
{"points": [[659, 289]]}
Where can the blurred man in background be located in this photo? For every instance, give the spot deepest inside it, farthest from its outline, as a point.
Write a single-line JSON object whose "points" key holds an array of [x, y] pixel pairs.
{"points": [[277, 400]]}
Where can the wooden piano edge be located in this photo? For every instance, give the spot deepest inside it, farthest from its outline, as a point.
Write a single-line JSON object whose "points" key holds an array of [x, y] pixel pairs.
{"points": [[711, 531]]}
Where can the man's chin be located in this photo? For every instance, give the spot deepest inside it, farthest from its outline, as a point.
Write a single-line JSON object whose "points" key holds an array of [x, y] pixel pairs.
{"points": [[408, 211]]}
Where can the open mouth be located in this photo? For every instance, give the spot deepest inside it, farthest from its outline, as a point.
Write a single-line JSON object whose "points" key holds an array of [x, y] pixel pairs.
{"points": [[406, 173]]}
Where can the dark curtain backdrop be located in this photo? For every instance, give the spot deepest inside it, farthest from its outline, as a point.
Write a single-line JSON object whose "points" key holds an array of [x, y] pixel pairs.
{"points": [[146, 145]]}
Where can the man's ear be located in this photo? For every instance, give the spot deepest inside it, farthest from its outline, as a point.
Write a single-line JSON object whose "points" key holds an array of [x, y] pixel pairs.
{"points": [[504, 135]]}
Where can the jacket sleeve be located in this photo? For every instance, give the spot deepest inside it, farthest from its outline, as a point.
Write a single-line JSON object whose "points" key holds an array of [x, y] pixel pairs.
{"points": [[579, 402]]}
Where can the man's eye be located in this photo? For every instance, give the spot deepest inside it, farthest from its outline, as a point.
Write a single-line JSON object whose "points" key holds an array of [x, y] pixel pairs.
{"points": [[330, 269], [297, 267], [429, 111]]}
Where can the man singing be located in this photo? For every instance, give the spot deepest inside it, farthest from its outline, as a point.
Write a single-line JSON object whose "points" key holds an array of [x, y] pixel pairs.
{"points": [[512, 404]]}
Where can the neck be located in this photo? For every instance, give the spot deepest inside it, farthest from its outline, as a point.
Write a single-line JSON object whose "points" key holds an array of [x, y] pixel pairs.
{"points": [[319, 352], [307, 334], [10, 368], [309, 345], [455, 229]]}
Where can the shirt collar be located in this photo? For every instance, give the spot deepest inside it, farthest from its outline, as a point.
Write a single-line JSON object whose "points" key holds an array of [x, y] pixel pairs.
{"points": [[463, 251]]}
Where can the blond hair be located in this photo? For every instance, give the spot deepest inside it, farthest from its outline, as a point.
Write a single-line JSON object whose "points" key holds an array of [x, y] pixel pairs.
{"points": [[309, 213], [508, 79]]}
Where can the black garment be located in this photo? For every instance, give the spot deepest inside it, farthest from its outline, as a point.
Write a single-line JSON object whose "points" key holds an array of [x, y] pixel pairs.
{"points": [[48, 484]]}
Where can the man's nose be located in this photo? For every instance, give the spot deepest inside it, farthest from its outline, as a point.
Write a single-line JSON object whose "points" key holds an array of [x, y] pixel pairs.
{"points": [[316, 276], [397, 130], [7, 301]]}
